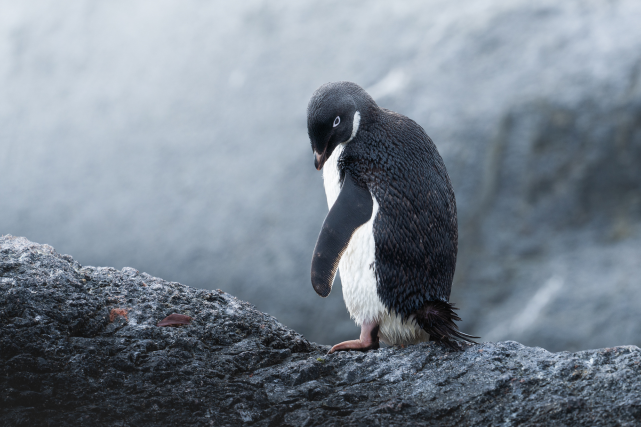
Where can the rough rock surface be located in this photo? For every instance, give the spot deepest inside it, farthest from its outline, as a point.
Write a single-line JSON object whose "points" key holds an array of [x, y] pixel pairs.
{"points": [[65, 361]]}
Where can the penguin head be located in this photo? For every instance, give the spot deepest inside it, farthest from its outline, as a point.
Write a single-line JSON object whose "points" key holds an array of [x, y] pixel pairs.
{"points": [[333, 117]]}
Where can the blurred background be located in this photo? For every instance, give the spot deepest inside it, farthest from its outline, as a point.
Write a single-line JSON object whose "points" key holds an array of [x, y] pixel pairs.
{"points": [[170, 136]]}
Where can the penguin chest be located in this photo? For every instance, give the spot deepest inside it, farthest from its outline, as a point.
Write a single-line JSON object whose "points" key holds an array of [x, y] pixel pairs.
{"points": [[358, 276], [357, 270], [357, 263]]}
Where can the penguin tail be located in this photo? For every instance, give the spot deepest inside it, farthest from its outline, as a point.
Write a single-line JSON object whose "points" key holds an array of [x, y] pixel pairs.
{"points": [[437, 319]]}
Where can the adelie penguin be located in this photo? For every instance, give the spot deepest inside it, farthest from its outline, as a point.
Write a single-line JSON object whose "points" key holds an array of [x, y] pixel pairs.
{"points": [[391, 227]]}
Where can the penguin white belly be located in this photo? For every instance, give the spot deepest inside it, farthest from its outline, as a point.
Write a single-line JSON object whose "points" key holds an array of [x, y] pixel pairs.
{"points": [[357, 272]]}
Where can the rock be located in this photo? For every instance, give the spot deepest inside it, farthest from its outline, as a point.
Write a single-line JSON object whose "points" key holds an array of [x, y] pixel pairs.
{"points": [[64, 361]]}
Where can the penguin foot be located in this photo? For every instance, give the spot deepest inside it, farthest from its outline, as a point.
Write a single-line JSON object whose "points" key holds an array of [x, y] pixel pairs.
{"points": [[367, 341]]}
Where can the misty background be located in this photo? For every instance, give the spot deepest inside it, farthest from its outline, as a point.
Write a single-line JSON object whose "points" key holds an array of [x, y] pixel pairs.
{"points": [[170, 136]]}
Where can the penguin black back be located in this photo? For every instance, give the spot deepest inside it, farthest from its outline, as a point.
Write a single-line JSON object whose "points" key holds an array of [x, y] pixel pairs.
{"points": [[416, 227]]}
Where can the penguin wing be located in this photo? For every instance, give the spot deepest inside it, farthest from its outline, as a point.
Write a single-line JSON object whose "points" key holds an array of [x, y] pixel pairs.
{"points": [[352, 209]]}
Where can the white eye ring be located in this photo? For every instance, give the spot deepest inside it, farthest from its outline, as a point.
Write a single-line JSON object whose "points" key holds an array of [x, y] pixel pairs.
{"points": [[337, 120]]}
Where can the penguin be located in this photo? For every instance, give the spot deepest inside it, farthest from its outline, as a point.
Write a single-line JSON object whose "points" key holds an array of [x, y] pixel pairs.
{"points": [[391, 229]]}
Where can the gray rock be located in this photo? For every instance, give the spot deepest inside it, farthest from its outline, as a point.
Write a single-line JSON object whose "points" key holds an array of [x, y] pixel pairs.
{"points": [[172, 137], [64, 361]]}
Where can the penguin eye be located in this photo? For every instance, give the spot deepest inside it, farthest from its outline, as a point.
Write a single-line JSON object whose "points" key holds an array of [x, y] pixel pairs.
{"points": [[337, 120]]}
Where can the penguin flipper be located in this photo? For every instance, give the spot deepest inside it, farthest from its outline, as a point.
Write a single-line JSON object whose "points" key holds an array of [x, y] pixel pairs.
{"points": [[352, 208]]}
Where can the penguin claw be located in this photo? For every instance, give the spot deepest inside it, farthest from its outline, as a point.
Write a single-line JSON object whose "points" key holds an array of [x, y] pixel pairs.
{"points": [[358, 345]]}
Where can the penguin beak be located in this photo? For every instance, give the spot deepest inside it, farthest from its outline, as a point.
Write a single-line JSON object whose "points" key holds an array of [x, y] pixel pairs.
{"points": [[319, 160]]}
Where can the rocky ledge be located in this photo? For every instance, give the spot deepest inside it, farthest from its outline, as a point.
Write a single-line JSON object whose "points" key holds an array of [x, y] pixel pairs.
{"points": [[80, 346]]}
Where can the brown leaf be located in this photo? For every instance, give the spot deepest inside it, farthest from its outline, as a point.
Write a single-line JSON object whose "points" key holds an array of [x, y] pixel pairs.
{"points": [[175, 320]]}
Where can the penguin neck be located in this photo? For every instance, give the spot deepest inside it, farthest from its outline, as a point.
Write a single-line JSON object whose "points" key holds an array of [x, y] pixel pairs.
{"points": [[355, 125], [332, 175]]}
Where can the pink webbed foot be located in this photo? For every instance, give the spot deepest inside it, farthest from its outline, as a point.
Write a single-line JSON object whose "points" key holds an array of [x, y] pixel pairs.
{"points": [[367, 341], [355, 345]]}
